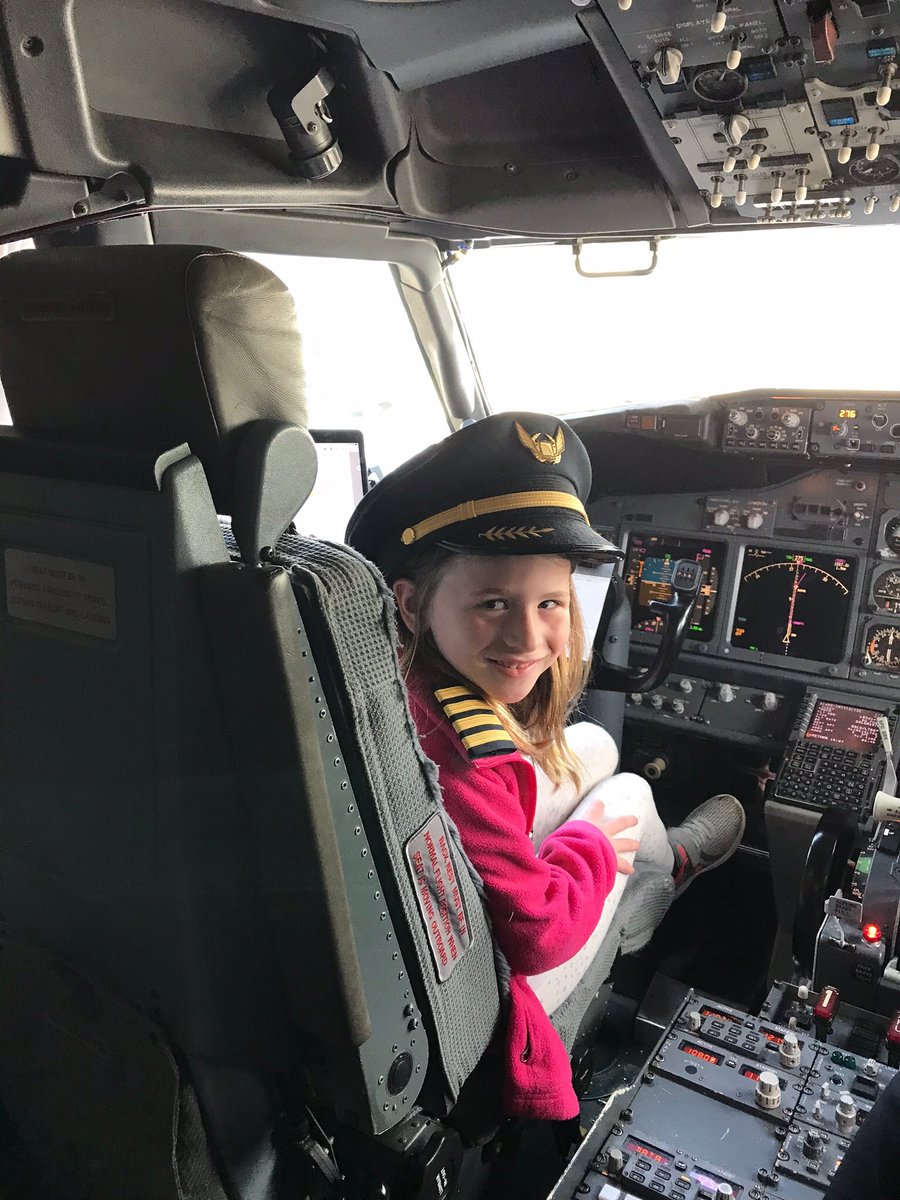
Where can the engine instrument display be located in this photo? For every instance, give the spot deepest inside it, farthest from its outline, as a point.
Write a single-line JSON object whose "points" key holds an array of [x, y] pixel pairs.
{"points": [[793, 604], [886, 591], [882, 646], [648, 570]]}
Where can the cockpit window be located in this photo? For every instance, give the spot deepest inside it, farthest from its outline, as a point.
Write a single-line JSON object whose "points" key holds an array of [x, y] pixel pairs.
{"points": [[722, 312], [364, 369], [10, 248]]}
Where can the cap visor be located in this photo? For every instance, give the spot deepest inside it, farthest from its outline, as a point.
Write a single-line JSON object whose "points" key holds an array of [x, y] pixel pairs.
{"points": [[532, 531]]}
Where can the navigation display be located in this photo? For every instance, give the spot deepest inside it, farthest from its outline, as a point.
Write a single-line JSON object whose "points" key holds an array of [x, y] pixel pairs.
{"points": [[845, 726], [648, 571], [793, 604]]}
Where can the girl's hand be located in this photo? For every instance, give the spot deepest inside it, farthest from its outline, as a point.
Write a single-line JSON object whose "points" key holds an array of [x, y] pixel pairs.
{"points": [[612, 827]]}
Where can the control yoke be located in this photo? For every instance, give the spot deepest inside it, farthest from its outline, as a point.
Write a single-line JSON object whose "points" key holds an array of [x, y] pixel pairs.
{"points": [[676, 615]]}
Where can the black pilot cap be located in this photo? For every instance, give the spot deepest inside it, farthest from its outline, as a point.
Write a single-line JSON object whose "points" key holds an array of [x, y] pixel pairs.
{"points": [[513, 483]]}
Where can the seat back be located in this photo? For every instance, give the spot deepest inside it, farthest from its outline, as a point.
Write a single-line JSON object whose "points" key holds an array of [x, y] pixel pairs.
{"points": [[212, 799]]}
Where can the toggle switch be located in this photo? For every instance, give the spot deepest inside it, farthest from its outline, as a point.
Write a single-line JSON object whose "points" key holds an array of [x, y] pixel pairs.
{"points": [[777, 191], [869, 203], [756, 151], [717, 21], [887, 73], [872, 147], [894, 203], [715, 196], [624, 5], [802, 174], [843, 154], [733, 61], [668, 62], [740, 196]]}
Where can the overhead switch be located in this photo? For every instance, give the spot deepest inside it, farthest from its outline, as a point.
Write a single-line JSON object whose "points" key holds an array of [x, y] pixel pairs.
{"points": [[715, 196], [843, 154], [717, 22], [733, 61], [802, 176], [668, 64], [755, 153], [777, 191], [894, 203], [872, 148], [869, 203], [740, 196], [887, 73], [824, 35]]}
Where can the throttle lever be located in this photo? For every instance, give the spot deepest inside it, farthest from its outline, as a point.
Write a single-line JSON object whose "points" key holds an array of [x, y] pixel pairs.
{"points": [[675, 612]]}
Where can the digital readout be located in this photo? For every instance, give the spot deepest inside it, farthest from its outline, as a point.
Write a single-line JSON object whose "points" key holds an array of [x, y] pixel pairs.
{"points": [[793, 604], [648, 1152], [706, 1011], [848, 414], [844, 725], [648, 571], [749, 1072], [711, 1182], [771, 1036], [699, 1052]]}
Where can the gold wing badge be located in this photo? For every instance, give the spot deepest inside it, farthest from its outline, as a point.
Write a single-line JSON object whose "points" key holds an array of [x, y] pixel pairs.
{"points": [[545, 449]]}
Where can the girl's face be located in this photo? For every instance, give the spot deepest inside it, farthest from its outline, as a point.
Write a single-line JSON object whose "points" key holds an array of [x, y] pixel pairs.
{"points": [[499, 621]]}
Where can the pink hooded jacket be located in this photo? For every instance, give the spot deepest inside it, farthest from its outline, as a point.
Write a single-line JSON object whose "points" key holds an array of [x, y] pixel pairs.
{"points": [[543, 905]]}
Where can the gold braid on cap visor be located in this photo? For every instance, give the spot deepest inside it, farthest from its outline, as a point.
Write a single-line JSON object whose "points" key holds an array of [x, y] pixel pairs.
{"points": [[492, 504]]}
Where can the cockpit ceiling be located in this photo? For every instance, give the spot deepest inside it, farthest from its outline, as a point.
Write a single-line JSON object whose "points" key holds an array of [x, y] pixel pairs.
{"points": [[545, 117]]}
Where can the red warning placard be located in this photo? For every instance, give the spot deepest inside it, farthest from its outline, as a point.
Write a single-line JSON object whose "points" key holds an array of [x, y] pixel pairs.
{"points": [[434, 873]]}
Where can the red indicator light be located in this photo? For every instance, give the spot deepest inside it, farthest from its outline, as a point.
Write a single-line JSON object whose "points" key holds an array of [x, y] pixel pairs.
{"points": [[872, 932], [827, 1007]]}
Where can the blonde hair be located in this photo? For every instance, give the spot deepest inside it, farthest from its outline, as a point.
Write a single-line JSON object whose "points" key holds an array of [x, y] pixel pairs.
{"points": [[536, 725]]}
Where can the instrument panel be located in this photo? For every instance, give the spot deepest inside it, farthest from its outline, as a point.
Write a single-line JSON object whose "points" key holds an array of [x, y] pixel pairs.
{"points": [[803, 576]]}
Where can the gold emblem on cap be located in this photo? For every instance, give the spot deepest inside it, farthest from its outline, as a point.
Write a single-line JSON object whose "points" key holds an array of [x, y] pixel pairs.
{"points": [[509, 533], [546, 449]]}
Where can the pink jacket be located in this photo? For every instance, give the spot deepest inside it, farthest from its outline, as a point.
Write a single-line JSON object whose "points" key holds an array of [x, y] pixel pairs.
{"points": [[543, 906]]}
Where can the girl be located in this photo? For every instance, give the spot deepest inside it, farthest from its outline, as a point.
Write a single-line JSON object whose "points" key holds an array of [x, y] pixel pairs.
{"points": [[478, 537]]}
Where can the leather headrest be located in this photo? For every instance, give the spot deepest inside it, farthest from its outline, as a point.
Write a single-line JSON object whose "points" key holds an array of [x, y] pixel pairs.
{"points": [[154, 346]]}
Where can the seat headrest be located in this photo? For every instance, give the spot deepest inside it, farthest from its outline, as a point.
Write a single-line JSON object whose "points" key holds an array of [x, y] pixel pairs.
{"points": [[153, 346]]}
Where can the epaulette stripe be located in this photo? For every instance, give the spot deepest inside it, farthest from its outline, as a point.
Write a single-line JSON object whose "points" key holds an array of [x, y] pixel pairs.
{"points": [[474, 722], [452, 693], [464, 707], [498, 736]]}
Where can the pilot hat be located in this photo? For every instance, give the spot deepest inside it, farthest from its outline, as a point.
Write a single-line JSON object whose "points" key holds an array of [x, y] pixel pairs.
{"points": [[513, 483]]}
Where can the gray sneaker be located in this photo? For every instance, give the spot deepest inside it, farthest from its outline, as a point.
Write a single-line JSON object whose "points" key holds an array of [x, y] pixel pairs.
{"points": [[709, 837]]}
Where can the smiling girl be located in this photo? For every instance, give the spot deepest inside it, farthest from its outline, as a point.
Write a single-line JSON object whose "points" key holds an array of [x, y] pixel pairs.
{"points": [[478, 537]]}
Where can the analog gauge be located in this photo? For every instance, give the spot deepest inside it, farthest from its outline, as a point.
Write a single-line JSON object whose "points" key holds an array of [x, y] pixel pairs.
{"points": [[892, 535], [883, 169], [882, 648], [718, 85], [886, 592]]}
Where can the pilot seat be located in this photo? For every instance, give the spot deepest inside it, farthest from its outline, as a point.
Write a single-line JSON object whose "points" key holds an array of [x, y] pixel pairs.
{"points": [[227, 968]]}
